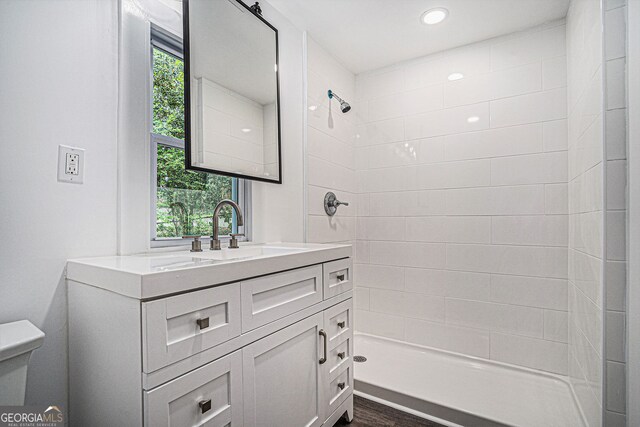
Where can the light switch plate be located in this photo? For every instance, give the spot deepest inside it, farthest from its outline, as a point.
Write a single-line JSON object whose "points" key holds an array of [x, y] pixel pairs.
{"points": [[70, 164]]}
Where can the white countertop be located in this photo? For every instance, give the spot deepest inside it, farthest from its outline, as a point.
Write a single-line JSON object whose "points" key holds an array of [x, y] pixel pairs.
{"points": [[155, 274]]}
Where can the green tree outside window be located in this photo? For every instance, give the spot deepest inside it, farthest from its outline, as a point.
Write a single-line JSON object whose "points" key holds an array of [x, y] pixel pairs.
{"points": [[185, 199]]}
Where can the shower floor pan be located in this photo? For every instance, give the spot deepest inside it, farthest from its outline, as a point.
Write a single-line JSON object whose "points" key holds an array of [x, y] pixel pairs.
{"points": [[455, 389]]}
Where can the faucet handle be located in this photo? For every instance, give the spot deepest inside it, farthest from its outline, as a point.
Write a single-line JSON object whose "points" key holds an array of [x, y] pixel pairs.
{"points": [[196, 245], [233, 243]]}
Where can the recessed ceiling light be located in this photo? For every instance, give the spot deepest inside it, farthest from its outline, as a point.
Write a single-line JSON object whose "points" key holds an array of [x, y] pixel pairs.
{"points": [[246, 130], [473, 119], [434, 16], [455, 76]]}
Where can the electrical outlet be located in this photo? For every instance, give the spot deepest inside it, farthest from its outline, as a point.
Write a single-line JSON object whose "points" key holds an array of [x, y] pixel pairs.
{"points": [[70, 164]]}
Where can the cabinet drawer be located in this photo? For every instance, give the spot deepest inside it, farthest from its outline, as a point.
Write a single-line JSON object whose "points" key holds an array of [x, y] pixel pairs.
{"points": [[210, 395], [177, 327], [340, 357], [270, 298], [338, 322], [339, 389], [337, 277]]}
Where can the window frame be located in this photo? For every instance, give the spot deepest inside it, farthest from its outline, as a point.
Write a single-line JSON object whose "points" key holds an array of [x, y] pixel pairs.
{"points": [[167, 42]]}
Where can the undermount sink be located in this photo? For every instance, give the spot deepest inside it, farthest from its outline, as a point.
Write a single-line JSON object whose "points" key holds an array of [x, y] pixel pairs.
{"points": [[244, 252], [163, 272]]}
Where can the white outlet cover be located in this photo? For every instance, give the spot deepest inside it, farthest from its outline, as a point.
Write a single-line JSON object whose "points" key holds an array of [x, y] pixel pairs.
{"points": [[73, 173]]}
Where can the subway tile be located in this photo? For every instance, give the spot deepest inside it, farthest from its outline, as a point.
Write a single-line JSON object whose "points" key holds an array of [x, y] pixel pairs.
{"points": [[615, 336], [467, 118], [456, 284], [423, 100], [386, 107], [614, 419], [509, 141], [529, 291], [382, 83], [330, 149], [466, 229], [556, 199], [548, 230], [545, 168], [468, 60], [556, 325], [518, 260], [612, 4], [408, 203], [616, 236], [616, 184], [516, 200], [381, 132], [322, 173], [425, 255], [384, 228], [585, 272], [555, 135], [530, 108], [530, 352], [415, 306], [616, 288], [587, 317], [388, 179], [616, 134], [381, 324], [517, 50], [616, 387], [554, 72], [473, 342], [516, 81], [615, 33], [326, 229], [379, 276], [467, 173], [616, 97], [361, 299], [361, 252], [495, 317], [468, 90]]}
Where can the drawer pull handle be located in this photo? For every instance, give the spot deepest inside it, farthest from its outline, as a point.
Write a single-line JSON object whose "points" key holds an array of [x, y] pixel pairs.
{"points": [[205, 405], [340, 277], [341, 386], [341, 324], [203, 323], [323, 334], [341, 355]]}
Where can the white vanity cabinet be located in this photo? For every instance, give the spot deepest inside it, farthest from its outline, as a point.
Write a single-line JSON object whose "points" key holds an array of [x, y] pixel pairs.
{"points": [[267, 350]]}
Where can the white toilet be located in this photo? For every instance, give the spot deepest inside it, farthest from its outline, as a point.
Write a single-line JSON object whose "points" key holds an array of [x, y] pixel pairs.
{"points": [[17, 341]]}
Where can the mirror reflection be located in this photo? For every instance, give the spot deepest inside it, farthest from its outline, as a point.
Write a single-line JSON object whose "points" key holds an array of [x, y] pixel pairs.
{"points": [[233, 89]]}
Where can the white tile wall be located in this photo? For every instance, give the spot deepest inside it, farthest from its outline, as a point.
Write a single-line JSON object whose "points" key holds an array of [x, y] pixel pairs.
{"points": [[462, 243], [330, 153], [615, 191]]}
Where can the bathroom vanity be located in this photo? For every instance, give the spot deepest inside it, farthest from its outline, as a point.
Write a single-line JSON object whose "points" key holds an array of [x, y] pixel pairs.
{"points": [[256, 336]]}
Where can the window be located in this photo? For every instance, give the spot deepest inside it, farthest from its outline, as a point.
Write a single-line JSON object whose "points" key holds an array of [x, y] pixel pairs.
{"points": [[182, 200]]}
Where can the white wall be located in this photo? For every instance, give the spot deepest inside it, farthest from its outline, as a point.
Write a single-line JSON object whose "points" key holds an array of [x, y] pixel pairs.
{"points": [[330, 148], [462, 224], [59, 86], [586, 177]]}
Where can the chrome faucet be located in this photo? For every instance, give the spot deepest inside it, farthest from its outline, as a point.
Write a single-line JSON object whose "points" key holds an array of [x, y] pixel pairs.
{"points": [[215, 241]]}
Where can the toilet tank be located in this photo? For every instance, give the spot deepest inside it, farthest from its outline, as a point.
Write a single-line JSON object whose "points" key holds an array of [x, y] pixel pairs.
{"points": [[17, 341]]}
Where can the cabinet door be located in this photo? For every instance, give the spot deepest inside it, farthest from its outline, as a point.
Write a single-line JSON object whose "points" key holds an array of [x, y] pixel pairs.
{"points": [[282, 377], [208, 396]]}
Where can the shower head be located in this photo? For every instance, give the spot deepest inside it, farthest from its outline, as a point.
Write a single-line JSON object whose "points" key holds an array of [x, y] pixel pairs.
{"points": [[344, 105]]}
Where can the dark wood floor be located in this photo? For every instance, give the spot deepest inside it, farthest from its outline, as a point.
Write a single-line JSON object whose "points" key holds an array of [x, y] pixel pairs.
{"points": [[367, 413]]}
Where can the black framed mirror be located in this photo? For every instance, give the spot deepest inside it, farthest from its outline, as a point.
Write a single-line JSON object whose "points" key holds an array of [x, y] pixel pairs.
{"points": [[232, 90]]}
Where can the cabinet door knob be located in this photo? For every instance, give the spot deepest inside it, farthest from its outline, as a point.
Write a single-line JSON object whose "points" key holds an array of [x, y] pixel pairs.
{"points": [[204, 405], [203, 323], [340, 277], [341, 324], [341, 386], [341, 355]]}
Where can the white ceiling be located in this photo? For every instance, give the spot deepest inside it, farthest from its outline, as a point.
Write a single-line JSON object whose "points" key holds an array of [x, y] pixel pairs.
{"points": [[368, 34]]}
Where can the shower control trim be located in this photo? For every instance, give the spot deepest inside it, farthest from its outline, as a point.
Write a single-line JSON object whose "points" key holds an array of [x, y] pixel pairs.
{"points": [[331, 203]]}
